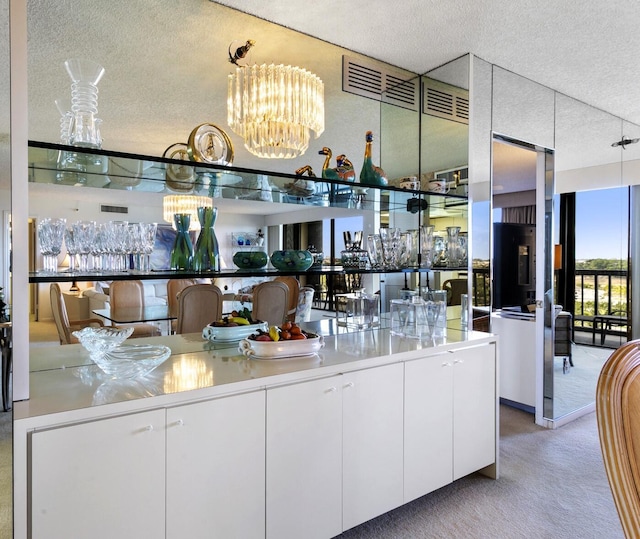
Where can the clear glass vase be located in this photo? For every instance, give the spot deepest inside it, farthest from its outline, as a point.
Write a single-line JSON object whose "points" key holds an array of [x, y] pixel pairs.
{"points": [[207, 254], [454, 259], [182, 251]]}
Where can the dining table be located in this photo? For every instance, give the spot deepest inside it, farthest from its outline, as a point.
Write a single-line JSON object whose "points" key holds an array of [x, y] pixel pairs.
{"points": [[133, 315]]}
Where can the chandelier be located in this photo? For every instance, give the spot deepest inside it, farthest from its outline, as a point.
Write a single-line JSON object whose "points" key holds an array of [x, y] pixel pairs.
{"points": [[273, 108], [189, 204]]}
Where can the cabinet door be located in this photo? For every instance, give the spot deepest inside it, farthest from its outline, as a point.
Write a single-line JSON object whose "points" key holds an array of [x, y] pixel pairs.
{"points": [[372, 408], [215, 468], [428, 425], [474, 409], [304, 460], [100, 479]]}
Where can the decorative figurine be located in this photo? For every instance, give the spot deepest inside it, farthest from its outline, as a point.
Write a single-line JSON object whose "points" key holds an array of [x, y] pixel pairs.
{"points": [[328, 173], [371, 174], [345, 169]]}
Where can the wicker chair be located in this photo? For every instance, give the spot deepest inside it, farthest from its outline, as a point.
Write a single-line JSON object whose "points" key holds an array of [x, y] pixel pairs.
{"points": [[61, 318], [271, 302], [618, 414], [130, 294], [198, 306]]}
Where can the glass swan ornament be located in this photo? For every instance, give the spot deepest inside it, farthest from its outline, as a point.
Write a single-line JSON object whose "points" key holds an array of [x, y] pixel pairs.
{"points": [[328, 173], [371, 174], [345, 169]]}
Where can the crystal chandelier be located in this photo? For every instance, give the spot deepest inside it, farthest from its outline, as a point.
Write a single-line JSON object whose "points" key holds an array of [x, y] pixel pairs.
{"points": [[273, 107], [189, 204]]}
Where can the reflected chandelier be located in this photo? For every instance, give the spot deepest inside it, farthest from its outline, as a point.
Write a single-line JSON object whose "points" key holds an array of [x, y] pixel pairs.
{"points": [[273, 107], [189, 204]]}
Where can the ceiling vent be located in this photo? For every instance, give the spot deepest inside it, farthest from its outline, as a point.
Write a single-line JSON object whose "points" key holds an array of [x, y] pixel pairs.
{"points": [[445, 101], [106, 208], [377, 81]]}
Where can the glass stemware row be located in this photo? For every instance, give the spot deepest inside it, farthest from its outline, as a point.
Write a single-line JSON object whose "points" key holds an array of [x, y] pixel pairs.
{"points": [[97, 247]]}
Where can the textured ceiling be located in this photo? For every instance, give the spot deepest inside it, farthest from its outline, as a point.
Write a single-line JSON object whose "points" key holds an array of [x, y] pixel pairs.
{"points": [[587, 49]]}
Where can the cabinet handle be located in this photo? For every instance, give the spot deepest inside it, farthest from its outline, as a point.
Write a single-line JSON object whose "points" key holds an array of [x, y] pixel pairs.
{"points": [[446, 364], [459, 361], [178, 423], [148, 428], [350, 384], [331, 390]]}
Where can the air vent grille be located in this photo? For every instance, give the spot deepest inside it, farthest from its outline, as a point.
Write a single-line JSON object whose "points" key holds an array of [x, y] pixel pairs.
{"points": [[445, 101], [377, 81], [106, 208]]}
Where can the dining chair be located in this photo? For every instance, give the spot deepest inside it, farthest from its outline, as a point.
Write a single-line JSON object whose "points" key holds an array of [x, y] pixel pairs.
{"points": [[198, 306], [294, 291], [618, 415], [455, 288], [61, 318], [174, 287], [271, 302], [130, 294]]}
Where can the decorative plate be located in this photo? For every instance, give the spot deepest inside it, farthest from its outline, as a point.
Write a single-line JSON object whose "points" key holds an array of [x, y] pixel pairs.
{"points": [[281, 349], [210, 144], [233, 333]]}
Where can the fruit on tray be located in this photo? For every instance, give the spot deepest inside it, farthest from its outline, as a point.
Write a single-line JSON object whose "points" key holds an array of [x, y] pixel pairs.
{"points": [[288, 331], [237, 318]]}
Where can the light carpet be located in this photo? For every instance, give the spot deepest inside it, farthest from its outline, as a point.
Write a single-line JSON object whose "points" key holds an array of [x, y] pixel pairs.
{"points": [[552, 485]]}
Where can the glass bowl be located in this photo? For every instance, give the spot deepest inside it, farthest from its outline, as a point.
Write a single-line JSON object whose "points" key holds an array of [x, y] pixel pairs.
{"points": [[102, 339], [250, 259], [291, 260], [131, 360]]}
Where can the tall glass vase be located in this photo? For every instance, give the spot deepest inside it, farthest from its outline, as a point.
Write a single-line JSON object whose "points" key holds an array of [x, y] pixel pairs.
{"points": [[454, 258], [182, 252], [207, 255]]}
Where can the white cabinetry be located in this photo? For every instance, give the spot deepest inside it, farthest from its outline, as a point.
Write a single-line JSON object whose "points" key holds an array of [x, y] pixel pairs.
{"points": [[215, 468], [372, 443], [450, 417], [304, 460], [334, 452], [100, 479], [109, 478]]}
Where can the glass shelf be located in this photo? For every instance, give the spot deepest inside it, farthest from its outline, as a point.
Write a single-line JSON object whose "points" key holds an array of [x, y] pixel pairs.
{"points": [[103, 169], [35, 277]]}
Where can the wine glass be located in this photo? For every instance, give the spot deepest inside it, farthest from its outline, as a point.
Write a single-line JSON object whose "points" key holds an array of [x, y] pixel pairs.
{"points": [[51, 235]]}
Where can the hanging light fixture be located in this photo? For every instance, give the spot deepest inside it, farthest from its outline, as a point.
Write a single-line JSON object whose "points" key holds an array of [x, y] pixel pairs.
{"points": [[189, 204], [273, 107]]}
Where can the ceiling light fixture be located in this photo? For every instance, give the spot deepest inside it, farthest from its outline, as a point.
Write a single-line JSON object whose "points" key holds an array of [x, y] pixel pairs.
{"points": [[273, 107], [625, 141]]}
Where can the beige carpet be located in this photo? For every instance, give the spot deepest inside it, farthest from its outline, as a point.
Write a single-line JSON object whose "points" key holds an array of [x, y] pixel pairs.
{"points": [[552, 485]]}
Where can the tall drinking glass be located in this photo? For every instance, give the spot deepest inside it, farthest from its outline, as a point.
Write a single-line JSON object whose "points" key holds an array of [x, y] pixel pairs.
{"points": [[51, 235]]}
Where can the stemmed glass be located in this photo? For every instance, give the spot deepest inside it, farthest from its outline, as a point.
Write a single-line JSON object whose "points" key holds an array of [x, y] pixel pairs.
{"points": [[84, 233], [72, 248], [148, 233], [51, 234]]}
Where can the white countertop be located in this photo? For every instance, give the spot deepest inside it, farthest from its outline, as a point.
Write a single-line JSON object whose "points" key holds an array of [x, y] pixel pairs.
{"points": [[64, 379]]}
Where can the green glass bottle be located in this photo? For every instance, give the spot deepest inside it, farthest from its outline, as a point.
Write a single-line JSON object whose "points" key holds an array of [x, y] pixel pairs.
{"points": [[371, 174], [207, 253], [182, 252]]}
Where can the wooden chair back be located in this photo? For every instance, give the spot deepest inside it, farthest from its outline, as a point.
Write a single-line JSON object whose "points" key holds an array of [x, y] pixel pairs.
{"points": [[294, 291], [61, 318], [618, 414], [271, 302], [455, 288], [198, 306], [130, 295]]}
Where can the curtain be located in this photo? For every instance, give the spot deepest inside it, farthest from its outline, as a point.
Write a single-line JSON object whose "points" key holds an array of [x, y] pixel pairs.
{"points": [[524, 215]]}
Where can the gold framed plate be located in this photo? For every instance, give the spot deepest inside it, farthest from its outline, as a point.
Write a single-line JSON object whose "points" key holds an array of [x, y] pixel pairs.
{"points": [[210, 144], [179, 177]]}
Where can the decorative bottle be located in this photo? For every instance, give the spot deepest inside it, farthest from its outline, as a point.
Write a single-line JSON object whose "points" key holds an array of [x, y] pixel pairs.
{"points": [[207, 254], [182, 252], [371, 174]]}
